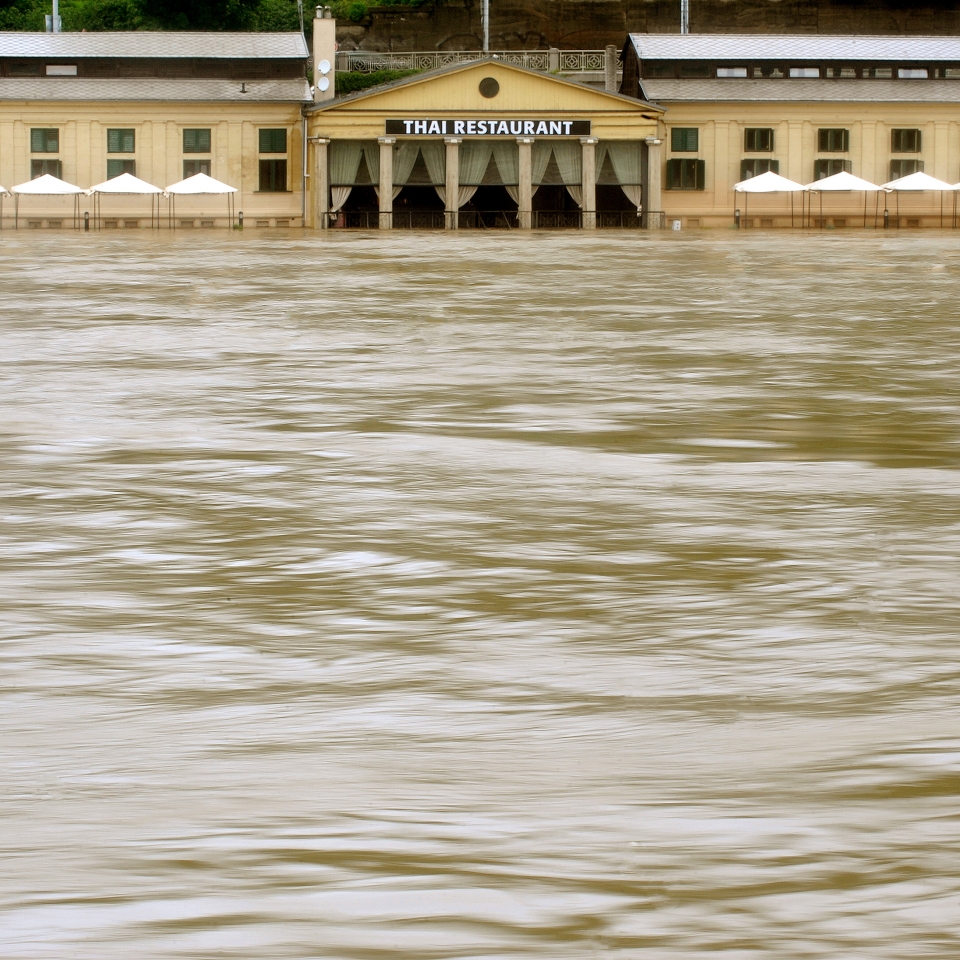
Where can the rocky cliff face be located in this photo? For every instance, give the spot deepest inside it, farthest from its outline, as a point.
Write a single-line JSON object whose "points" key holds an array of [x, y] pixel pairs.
{"points": [[591, 24]]}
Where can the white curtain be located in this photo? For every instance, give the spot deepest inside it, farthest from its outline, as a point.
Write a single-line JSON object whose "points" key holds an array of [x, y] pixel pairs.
{"points": [[634, 193], [506, 154], [626, 163], [625, 159], [576, 191], [569, 157], [371, 154], [345, 161], [404, 159], [338, 197], [542, 150], [434, 155], [514, 192], [474, 159]]}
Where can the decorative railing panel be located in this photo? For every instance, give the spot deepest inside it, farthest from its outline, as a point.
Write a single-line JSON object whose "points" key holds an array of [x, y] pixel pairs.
{"points": [[567, 61]]}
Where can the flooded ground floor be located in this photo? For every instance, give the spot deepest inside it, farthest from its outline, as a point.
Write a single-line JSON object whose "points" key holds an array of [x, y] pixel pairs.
{"points": [[556, 595]]}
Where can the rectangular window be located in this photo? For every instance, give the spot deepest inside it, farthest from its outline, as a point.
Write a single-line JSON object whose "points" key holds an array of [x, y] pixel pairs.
{"points": [[731, 72], [692, 71], [903, 168], [833, 141], [758, 140], [827, 168], [912, 73], [192, 167], [754, 166], [23, 70], [685, 139], [196, 141], [949, 73], [61, 70], [121, 141], [654, 69], [807, 73], [768, 71], [273, 141], [40, 167], [878, 73], [44, 140], [683, 174], [844, 73], [116, 167], [904, 141], [273, 176]]}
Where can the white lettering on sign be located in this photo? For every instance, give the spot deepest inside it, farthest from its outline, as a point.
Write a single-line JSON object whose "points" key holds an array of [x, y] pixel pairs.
{"points": [[494, 127]]}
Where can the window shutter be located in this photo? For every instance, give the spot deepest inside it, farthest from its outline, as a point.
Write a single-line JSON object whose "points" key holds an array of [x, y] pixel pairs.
{"points": [[673, 174], [844, 141], [36, 141], [701, 174], [775, 166], [746, 169], [113, 141]]}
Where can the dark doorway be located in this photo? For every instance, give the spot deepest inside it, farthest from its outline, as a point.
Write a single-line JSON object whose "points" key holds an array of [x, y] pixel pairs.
{"points": [[418, 208], [362, 210], [553, 207], [490, 208], [614, 208]]}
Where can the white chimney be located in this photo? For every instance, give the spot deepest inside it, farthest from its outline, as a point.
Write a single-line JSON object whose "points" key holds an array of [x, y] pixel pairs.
{"points": [[324, 54]]}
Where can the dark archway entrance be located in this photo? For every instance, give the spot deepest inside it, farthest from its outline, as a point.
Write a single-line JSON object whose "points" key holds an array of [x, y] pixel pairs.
{"points": [[490, 208], [418, 208], [553, 207]]}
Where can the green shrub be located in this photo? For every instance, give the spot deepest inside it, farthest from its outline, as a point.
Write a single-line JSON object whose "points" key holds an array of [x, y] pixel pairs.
{"points": [[354, 80]]}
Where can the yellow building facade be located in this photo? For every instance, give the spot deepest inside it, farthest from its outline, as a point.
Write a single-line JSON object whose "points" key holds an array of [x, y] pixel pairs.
{"points": [[444, 140], [805, 107], [86, 107]]}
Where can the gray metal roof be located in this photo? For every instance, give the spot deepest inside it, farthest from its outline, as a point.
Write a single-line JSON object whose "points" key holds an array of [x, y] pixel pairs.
{"points": [[803, 91], [218, 46], [49, 89], [798, 47]]}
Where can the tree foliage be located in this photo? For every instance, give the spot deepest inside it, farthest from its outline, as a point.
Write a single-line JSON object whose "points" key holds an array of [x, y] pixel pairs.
{"points": [[266, 15]]}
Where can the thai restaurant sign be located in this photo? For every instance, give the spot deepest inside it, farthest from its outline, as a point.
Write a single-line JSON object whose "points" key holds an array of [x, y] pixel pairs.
{"points": [[495, 127]]}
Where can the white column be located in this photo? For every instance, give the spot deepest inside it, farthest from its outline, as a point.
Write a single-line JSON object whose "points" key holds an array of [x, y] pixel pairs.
{"points": [[588, 182], [652, 201], [321, 183], [525, 203], [386, 181], [453, 183]]}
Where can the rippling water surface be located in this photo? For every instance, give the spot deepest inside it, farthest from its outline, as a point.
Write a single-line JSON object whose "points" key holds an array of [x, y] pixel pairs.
{"points": [[419, 596]]}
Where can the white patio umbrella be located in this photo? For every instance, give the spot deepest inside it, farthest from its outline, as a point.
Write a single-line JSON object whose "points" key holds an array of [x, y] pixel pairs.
{"points": [[125, 184], [197, 185], [47, 186], [768, 182], [917, 182], [844, 182]]}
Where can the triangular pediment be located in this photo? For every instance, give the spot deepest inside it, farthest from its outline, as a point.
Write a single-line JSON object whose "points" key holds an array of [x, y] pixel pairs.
{"points": [[457, 89]]}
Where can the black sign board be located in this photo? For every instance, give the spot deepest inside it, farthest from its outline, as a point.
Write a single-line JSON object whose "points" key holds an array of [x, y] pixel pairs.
{"points": [[495, 127]]}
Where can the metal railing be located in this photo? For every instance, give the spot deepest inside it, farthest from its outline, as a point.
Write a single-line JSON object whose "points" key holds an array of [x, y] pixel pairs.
{"points": [[484, 219], [556, 219], [618, 220], [547, 61]]}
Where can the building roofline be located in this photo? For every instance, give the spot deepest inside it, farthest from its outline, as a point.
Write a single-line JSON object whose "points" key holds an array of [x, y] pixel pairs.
{"points": [[155, 44], [760, 46]]}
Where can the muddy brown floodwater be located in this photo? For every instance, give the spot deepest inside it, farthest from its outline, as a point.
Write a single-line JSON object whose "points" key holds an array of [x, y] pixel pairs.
{"points": [[480, 596]]}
